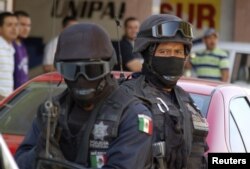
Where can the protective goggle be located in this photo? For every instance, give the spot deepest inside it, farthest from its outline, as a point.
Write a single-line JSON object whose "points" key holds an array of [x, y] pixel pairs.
{"points": [[168, 30], [90, 70]]}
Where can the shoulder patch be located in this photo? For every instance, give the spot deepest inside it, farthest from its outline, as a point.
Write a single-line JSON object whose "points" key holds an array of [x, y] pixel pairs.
{"points": [[145, 124]]}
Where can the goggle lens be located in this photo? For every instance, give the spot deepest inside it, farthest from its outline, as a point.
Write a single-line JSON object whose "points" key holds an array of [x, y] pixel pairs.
{"points": [[90, 70], [168, 30]]}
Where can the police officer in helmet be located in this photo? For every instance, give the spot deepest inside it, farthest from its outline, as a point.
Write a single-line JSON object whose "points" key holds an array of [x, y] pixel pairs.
{"points": [[165, 41], [95, 124]]}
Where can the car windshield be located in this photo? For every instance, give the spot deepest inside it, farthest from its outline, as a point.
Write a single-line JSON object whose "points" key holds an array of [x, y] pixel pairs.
{"points": [[202, 102], [17, 115]]}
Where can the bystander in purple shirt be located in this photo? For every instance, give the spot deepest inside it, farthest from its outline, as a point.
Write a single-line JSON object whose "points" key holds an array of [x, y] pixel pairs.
{"points": [[21, 64]]}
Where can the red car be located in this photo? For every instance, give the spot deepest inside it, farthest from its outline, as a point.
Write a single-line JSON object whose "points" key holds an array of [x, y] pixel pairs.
{"points": [[227, 108]]}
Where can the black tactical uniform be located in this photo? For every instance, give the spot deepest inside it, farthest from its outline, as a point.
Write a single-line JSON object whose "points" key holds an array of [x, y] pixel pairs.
{"points": [[94, 123], [179, 128]]}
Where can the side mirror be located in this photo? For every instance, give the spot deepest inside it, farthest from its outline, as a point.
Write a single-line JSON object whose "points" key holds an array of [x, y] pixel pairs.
{"points": [[47, 163]]}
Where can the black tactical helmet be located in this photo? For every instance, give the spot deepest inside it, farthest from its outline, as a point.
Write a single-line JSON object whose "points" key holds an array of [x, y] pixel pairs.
{"points": [[85, 42], [85, 58], [163, 28]]}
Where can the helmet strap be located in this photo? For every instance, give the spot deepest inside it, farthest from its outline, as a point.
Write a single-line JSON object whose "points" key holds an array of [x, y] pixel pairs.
{"points": [[186, 50], [150, 54], [101, 85]]}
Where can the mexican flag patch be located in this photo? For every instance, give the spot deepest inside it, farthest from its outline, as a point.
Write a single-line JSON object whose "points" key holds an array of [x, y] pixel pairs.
{"points": [[145, 124], [97, 161]]}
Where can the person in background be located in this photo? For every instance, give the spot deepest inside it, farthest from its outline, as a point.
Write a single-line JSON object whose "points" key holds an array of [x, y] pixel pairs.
{"points": [[213, 62], [131, 62], [8, 33], [21, 55], [50, 48]]}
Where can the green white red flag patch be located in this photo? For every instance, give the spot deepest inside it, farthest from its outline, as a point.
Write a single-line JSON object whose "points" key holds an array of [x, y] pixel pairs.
{"points": [[97, 161], [145, 124]]}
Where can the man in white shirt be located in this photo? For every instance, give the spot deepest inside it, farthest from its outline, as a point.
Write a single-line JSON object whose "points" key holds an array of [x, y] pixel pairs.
{"points": [[8, 33], [50, 48]]}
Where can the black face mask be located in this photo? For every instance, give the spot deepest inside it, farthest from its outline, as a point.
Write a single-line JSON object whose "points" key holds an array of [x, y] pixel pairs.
{"points": [[85, 92], [168, 69]]}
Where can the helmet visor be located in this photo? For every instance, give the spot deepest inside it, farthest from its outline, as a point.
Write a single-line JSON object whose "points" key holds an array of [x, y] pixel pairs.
{"points": [[169, 29], [90, 70]]}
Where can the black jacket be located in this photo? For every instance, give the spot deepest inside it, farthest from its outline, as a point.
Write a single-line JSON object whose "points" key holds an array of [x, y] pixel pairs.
{"points": [[129, 149], [173, 124]]}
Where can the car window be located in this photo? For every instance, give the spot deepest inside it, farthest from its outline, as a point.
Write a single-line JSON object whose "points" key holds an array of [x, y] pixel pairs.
{"points": [[240, 111], [241, 68], [202, 102], [25, 105], [235, 139]]}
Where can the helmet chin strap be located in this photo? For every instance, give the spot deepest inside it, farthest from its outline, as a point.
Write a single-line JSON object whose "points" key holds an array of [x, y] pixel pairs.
{"points": [[171, 78], [60, 82], [151, 53], [99, 88], [85, 91], [101, 85]]}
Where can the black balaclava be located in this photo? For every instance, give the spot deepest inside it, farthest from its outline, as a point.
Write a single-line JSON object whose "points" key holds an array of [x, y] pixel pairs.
{"points": [[164, 72], [86, 92]]}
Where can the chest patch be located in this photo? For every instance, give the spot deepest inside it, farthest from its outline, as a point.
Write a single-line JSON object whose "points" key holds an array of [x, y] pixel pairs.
{"points": [[98, 159], [100, 131]]}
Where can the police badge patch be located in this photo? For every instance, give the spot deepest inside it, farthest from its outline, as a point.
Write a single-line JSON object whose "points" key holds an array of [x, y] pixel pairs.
{"points": [[100, 131]]}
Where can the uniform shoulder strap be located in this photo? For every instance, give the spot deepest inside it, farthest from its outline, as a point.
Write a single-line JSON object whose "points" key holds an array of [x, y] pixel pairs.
{"points": [[114, 107], [185, 97], [135, 87], [200, 125]]}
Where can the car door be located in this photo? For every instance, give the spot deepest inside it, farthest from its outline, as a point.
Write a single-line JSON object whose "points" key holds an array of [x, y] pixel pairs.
{"points": [[239, 133]]}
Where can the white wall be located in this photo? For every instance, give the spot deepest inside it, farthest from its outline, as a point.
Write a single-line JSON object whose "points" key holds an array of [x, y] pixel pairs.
{"points": [[44, 25], [9, 5], [227, 20], [6, 5]]}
